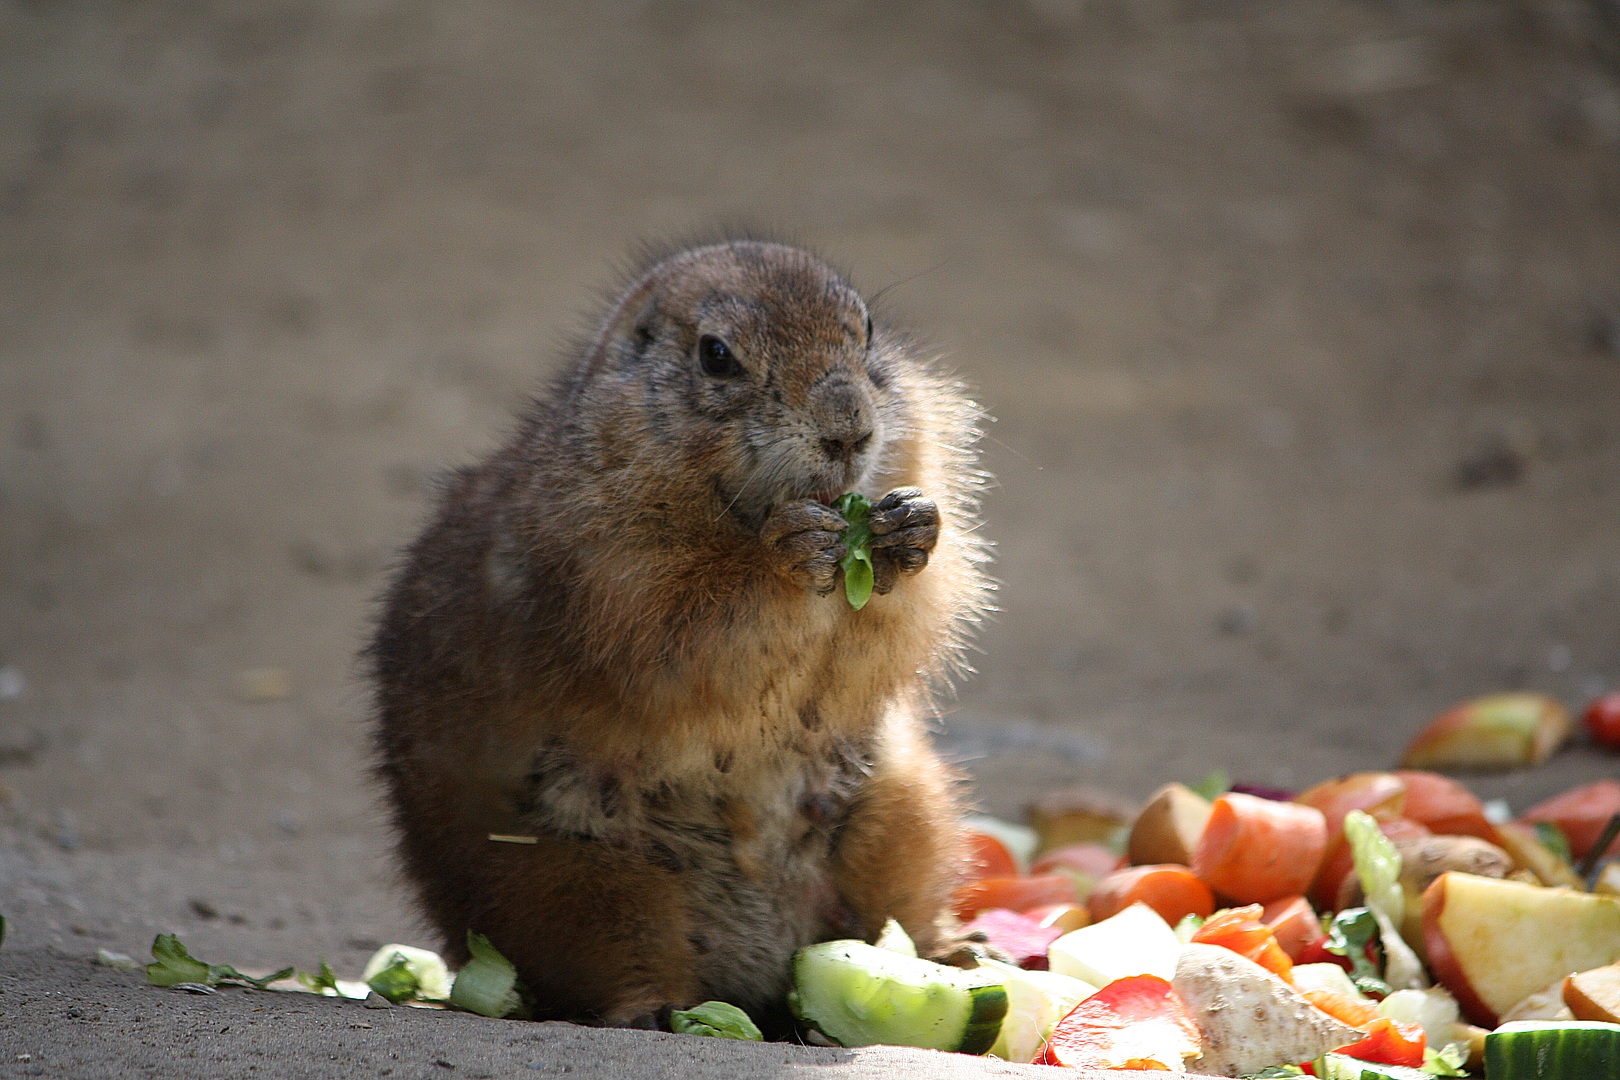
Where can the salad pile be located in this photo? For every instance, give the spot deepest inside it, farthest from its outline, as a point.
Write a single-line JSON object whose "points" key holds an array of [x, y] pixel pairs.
{"points": [[1382, 924]]}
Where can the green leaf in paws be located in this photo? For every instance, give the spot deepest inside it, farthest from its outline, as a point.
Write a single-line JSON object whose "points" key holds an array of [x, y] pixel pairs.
{"points": [[859, 578], [717, 1019]]}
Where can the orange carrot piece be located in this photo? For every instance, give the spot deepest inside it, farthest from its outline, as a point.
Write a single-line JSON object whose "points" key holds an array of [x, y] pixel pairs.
{"points": [[1353, 1011], [1241, 930], [1173, 891], [1255, 850], [1012, 893], [988, 856]]}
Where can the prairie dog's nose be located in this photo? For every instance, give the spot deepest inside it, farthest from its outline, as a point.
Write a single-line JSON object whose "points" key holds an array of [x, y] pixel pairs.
{"points": [[843, 416]]}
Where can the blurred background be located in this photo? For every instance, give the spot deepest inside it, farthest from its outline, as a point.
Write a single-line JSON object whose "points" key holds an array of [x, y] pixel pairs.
{"points": [[1299, 319]]}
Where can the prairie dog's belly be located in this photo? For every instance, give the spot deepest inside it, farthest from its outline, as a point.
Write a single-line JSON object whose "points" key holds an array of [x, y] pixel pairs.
{"points": [[750, 848]]}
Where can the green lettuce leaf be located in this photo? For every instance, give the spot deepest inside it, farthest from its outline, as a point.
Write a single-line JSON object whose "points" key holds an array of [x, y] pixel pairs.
{"points": [[1349, 935], [717, 1019], [488, 985], [173, 964], [857, 562]]}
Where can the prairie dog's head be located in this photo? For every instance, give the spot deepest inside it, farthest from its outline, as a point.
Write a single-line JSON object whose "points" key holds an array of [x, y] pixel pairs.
{"points": [[753, 364]]}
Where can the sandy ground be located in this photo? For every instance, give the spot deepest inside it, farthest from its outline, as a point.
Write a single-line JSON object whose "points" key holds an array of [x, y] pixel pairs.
{"points": [[1300, 321]]}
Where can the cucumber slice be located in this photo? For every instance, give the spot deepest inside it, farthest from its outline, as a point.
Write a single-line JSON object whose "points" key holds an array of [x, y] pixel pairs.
{"points": [[1553, 1050], [857, 995]]}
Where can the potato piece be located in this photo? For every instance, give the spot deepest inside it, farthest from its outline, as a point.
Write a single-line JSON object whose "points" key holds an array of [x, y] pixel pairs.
{"points": [[1425, 858], [1167, 829], [1608, 882], [1249, 1018], [1078, 815], [1594, 994]]}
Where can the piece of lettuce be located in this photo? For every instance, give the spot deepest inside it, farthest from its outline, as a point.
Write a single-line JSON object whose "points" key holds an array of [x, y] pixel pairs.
{"points": [[172, 965], [407, 973], [1353, 934], [1378, 866], [488, 984], [857, 562], [717, 1019]]}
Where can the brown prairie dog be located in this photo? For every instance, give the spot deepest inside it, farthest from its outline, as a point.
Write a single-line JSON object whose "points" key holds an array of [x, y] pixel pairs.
{"points": [[622, 634]]}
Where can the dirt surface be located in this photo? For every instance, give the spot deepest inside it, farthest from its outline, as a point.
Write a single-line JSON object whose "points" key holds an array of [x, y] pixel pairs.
{"points": [[1300, 321]]}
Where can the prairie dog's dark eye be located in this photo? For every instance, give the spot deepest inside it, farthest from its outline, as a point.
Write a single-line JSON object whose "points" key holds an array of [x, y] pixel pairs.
{"points": [[716, 359], [869, 330]]}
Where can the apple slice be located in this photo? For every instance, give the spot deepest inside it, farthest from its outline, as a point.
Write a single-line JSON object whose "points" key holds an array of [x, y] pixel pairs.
{"points": [[1493, 943], [1134, 942], [1498, 731], [1595, 994], [1582, 813], [1444, 806], [1167, 829]]}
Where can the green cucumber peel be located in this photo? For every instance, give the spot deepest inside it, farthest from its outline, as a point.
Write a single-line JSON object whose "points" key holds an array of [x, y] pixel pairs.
{"points": [[172, 964], [859, 576], [717, 1019]]}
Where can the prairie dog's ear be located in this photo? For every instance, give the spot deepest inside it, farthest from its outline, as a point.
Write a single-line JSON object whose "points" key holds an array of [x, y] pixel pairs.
{"points": [[630, 328]]}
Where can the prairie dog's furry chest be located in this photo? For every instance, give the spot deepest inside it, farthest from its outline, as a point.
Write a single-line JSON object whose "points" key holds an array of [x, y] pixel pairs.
{"points": [[748, 848]]}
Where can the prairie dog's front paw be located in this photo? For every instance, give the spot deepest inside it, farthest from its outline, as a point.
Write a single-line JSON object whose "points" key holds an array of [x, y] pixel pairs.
{"points": [[905, 528], [803, 539]]}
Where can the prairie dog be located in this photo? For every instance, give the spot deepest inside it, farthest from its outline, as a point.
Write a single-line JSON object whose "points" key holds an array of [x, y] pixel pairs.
{"points": [[622, 634]]}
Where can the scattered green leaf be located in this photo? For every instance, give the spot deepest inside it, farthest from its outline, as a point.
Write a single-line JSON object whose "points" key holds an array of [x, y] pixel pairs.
{"points": [[488, 984], [172, 964], [715, 1018], [322, 982], [857, 562], [1353, 933], [1214, 785], [1446, 1062]]}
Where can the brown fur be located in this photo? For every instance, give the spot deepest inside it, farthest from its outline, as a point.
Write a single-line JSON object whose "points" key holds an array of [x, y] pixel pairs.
{"points": [[621, 635]]}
